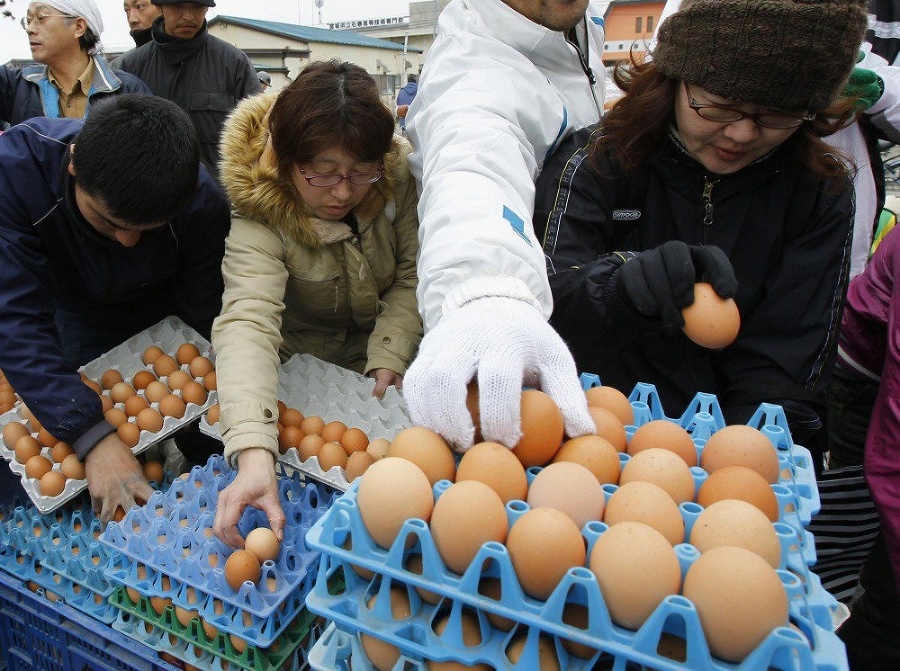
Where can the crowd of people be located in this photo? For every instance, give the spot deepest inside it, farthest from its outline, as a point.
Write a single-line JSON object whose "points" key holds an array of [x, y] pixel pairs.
{"points": [[531, 218]]}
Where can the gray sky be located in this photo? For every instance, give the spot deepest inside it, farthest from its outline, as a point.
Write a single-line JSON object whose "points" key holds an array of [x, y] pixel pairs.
{"points": [[14, 41]]}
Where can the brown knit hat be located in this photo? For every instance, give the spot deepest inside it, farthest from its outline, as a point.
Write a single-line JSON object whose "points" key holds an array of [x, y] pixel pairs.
{"points": [[787, 54]]}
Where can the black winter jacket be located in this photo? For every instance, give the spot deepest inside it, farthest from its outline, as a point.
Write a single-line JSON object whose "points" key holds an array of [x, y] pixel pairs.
{"points": [[52, 259], [204, 75], [788, 238]]}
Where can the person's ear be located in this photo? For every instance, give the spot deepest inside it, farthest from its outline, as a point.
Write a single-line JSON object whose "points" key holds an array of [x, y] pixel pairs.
{"points": [[80, 26]]}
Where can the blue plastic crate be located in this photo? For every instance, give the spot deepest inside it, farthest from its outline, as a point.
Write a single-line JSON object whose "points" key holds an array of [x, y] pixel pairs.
{"points": [[37, 635]]}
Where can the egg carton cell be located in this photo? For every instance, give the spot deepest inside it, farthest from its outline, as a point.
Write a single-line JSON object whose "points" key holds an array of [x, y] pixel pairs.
{"points": [[125, 358], [703, 417], [346, 546], [165, 633], [169, 551], [316, 387]]}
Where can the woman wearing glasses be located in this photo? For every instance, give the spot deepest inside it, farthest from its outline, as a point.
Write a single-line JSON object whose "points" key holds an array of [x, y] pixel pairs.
{"points": [[711, 168], [320, 259]]}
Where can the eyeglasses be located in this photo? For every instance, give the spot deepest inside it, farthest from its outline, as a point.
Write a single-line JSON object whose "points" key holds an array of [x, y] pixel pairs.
{"points": [[40, 18], [723, 114], [355, 178]]}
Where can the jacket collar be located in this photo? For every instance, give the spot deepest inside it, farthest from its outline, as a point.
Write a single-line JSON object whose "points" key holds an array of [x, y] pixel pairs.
{"points": [[174, 49], [105, 79]]}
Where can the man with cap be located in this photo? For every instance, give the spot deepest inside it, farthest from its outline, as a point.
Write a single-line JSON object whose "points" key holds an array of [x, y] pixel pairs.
{"points": [[71, 73], [265, 81], [204, 75]]}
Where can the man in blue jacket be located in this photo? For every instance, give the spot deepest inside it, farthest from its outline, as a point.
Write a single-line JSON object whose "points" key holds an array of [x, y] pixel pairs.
{"points": [[106, 226]]}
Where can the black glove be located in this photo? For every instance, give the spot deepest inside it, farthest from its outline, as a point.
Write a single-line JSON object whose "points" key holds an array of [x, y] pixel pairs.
{"points": [[660, 282]]}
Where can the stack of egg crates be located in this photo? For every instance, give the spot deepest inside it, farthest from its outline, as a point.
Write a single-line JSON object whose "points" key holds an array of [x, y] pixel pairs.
{"points": [[332, 393], [172, 559], [811, 608]]}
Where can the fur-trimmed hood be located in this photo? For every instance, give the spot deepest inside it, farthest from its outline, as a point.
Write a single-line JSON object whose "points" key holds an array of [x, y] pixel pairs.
{"points": [[249, 172]]}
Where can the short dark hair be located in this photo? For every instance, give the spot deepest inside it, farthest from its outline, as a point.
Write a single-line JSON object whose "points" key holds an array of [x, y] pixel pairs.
{"points": [[139, 155], [88, 40], [330, 104], [412, 78]]}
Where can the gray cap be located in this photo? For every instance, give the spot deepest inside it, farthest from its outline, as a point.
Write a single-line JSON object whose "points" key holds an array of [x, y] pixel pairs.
{"points": [[264, 77]]}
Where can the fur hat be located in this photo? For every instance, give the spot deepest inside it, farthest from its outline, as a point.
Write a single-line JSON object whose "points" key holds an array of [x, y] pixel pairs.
{"points": [[787, 54]]}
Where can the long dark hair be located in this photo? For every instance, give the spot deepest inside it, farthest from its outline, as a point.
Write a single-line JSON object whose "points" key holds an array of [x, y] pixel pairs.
{"points": [[639, 122]]}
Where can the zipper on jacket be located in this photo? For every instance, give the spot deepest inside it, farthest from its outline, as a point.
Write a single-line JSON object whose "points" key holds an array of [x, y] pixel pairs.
{"points": [[583, 55], [707, 205]]}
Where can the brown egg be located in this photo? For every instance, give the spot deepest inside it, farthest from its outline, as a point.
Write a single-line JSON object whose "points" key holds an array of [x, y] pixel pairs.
{"points": [[288, 437], [381, 654], [134, 405], [72, 468], [531, 535], [467, 515], [241, 566], [110, 378], [156, 391], [333, 431], [201, 366], [151, 354], [153, 471], [739, 598], [741, 445], [106, 403], [164, 366], [471, 636], [569, 488], [609, 427], [194, 392], [491, 588], [711, 321], [547, 658], [159, 604], [312, 424], [263, 543], [737, 523], [115, 416], [331, 454], [172, 406], [291, 417], [37, 466], [129, 433], [427, 450], [661, 433], [12, 431], [496, 466], [357, 463], [184, 616], [177, 379], [663, 468], [576, 615], [613, 400], [121, 391], [392, 491], [60, 451], [45, 438], [150, 420], [739, 482], [354, 440], [594, 453], [636, 568], [29, 417], [212, 415], [379, 447], [542, 429], [52, 483], [186, 353], [142, 378], [238, 643], [26, 447], [309, 446], [649, 504]]}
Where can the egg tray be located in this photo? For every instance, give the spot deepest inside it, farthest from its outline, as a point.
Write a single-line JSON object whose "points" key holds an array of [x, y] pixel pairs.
{"points": [[184, 516], [80, 597], [342, 527], [703, 417], [168, 334], [169, 635], [316, 387]]}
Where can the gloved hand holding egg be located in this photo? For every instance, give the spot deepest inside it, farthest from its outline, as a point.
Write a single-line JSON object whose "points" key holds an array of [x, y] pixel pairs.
{"points": [[659, 283]]}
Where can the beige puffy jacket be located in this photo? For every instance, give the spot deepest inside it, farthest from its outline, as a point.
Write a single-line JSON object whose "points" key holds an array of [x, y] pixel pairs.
{"points": [[298, 284]]}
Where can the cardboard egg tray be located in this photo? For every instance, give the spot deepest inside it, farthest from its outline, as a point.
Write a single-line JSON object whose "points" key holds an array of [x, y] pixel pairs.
{"points": [[169, 551], [316, 387], [810, 606], [167, 334], [165, 633], [703, 417]]}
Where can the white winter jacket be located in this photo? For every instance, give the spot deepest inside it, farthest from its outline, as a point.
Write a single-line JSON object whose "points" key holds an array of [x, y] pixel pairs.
{"points": [[497, 94]]}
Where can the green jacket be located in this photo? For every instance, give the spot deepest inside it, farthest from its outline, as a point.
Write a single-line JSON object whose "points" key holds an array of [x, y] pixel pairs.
{"points": [[298, 284]]}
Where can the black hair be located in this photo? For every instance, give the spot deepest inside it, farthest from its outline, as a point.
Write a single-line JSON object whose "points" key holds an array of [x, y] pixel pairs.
{"points": [[412, 78], [88, 40], [139, 155]]}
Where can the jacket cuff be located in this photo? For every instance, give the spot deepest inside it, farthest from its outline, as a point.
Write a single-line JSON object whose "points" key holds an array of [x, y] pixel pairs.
{"points": [[249, 425], [87, 440], [234, 445], [493, 286]]}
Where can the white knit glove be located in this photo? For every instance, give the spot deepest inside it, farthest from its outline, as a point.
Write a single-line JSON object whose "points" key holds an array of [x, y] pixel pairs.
{"points": [[508, 344]]}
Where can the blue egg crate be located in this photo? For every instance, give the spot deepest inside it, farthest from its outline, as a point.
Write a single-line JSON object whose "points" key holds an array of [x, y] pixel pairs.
{"points": [[344, 542], [169, 551], [189, 644], [703, 417]]}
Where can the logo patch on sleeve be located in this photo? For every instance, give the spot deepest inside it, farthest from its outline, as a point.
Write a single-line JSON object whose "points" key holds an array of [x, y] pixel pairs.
{"points": [[518, 225]]}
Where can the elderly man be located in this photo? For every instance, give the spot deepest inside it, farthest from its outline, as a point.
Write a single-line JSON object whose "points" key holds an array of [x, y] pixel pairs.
{"points": [[70, 74], [204, 75], [141, 14]]}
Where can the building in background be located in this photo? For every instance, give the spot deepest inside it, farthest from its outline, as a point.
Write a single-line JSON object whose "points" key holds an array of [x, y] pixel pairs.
{"points": [[629, 25]]}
